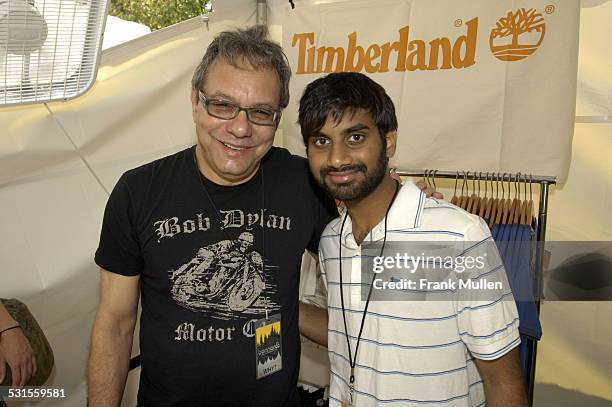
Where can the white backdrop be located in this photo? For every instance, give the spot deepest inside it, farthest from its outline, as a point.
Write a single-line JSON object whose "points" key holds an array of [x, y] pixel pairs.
{"points": [[488, 99]]}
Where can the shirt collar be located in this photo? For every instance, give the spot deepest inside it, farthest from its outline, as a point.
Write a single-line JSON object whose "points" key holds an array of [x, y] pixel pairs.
{"points": [[405, 213]]}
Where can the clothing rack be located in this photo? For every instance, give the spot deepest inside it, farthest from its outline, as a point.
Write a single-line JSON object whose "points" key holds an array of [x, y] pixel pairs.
{"points": [[545, 182]]}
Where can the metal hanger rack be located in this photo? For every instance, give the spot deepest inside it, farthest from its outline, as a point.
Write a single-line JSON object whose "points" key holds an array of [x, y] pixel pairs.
{"points": [[545, 182]]}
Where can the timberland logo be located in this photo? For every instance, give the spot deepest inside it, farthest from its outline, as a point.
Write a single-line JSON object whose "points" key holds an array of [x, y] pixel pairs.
{"points": [[403, 54], [518, 34], [515, 36]]}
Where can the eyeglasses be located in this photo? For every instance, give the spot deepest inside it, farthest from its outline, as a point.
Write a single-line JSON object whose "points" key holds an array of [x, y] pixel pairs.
{"points": [[226, 111]]}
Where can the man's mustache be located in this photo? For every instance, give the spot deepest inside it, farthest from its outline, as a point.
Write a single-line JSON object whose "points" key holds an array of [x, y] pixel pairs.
{"points": [[345, 168]]}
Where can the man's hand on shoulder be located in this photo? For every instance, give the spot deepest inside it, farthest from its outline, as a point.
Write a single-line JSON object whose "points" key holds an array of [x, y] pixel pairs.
{"points": [[428, 191], [422, 185]]}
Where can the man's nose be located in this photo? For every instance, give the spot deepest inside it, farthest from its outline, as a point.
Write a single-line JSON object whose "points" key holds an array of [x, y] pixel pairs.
{"points": [[339, 156], [240, 125]]}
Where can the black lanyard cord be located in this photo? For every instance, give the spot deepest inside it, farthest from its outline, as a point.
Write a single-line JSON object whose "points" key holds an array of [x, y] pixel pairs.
{"points": [[353, 361], [263, 229]]}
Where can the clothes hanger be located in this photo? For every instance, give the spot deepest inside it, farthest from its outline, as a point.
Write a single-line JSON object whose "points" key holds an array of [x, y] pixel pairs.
{"points": [[517, 211], [499, 218], [495, 202], [425, 178], [501, 204], [523, 214], [529, 215], [433, 179], [484, 203], [463, 199], [429, 180], [472, 198], [488, 213], [455, 198], [478, 199], [515, 202], [507, 203], [519, 208]]}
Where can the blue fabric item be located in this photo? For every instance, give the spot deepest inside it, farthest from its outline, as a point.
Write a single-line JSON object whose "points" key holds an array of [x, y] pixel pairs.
{"points": [[515, 247], [526, 350]]}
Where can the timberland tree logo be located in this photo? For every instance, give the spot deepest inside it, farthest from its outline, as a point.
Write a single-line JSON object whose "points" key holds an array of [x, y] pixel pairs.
{"points": [[518, 35]]}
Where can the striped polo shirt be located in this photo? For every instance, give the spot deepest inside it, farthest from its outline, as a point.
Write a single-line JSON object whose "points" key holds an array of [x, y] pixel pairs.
{"points": [[414, 353]]}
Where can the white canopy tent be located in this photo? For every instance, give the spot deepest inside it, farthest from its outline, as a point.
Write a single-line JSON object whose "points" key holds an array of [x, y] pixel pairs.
{"points": [[60, 160]]}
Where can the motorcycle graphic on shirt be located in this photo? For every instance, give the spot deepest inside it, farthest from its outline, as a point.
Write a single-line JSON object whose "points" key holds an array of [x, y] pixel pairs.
{"points": [[223, 278]]}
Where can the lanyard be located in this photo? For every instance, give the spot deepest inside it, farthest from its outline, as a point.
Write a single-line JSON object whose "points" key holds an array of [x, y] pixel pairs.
{"points": [[263, 229], [353, 360]]}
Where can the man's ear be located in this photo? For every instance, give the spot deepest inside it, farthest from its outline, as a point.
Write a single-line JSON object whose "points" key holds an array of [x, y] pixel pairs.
{"points": [[391, 138], [194, 104]]}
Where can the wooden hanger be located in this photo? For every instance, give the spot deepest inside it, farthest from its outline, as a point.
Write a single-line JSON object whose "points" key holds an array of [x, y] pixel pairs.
{"points": [[455, 198], [477, 198], [518, 215], [529, 214], [484, 204], [480, 200], [472, 200], [428, 179], [512, 215], [433, 179], [499, 210], [523, 212], [507, 203], [490, 202], [494, 202], [463, 199], [425, 178], [501, 206], [519, 210]]}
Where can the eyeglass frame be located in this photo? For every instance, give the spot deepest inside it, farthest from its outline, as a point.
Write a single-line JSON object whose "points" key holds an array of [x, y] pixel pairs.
{"points": [[205, 101]]}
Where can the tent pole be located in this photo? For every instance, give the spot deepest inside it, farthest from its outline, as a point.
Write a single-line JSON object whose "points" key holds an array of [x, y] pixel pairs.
{"points": [[262, 12]]}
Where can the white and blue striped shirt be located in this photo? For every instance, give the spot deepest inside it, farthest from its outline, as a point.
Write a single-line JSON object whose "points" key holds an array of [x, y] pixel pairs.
{"points": [[414, 353]]}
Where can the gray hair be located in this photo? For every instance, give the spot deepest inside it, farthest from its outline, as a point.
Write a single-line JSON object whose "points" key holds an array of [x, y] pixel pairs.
{"points": [[250, 45]]}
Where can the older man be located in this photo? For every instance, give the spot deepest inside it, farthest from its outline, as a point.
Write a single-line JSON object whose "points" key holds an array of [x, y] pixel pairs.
{"points": [[239, 347]]}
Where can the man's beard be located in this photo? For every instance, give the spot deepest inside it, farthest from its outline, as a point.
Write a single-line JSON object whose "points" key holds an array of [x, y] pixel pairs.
{"points": [[358, 189]]}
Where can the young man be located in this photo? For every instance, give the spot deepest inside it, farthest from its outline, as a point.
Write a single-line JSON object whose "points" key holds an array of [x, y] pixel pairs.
{"points": [[405, 353]]}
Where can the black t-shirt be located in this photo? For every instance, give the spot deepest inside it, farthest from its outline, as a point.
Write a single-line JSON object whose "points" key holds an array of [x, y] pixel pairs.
{"points": [[207, 270]]}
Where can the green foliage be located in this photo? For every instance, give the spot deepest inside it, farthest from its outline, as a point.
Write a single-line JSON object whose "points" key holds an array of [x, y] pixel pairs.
{"points": [[157, 14]]}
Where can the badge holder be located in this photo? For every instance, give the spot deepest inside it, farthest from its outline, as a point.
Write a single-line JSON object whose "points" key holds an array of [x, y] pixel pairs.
{"points": [[351, 387], [268, 345]]}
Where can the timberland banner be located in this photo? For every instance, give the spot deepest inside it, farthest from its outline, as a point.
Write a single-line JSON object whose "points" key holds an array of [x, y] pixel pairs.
{"points": [[478, 85]]}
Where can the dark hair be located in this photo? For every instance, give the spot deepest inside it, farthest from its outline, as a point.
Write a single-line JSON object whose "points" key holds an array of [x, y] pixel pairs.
{"points": [[337, 93], [250, 45]]}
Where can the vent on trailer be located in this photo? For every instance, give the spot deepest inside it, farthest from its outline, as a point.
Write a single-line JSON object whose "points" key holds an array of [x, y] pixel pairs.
{"points": [[49, 49]]}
